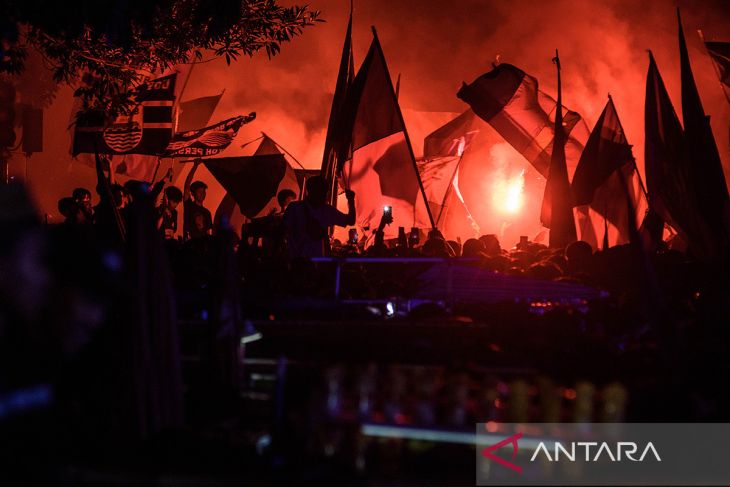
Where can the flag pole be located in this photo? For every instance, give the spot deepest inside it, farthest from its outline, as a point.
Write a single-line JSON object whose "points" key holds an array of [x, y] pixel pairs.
{"points": [[103, 184], [177, 116], [283, 149], [714, 65], [252, 141], [185, 84], [346, 180], [157, 167], [447, 193], [405, 130]]}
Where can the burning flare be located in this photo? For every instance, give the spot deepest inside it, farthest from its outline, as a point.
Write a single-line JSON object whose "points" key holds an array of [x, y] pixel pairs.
{"points": [[508, 194], [507, 189]]}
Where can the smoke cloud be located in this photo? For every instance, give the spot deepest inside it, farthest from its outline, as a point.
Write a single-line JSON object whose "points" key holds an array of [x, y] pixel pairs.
{"points": [[435, 46]]}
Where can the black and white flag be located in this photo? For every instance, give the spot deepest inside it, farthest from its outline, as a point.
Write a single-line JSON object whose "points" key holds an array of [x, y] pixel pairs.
{"points": [[147, 130], [207, 141]]}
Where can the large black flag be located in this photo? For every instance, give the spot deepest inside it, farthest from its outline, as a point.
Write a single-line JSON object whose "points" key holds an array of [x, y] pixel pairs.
{"points": [[336, 143], [606, 150], [667, 175], [382, 170], [146, 131], [606, 179], [236, 175], [375, 111], [707, 177], [253, 185], [253, 182]]}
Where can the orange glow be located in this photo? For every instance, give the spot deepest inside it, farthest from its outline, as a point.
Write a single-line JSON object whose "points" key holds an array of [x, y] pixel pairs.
{"points": [[508, 193], [506, 185]]}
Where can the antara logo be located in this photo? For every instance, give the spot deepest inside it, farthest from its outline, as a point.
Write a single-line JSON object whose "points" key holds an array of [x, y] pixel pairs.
{"points": [[623, 449], [592, 452]]}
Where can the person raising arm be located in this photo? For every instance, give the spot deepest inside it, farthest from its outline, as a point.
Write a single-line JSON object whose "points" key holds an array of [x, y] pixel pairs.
{"points": [[307, 222]]}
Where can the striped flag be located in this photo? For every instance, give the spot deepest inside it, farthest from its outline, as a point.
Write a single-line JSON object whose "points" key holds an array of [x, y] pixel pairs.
{"points": [[147, 130], [510, 101], [193, 114]]}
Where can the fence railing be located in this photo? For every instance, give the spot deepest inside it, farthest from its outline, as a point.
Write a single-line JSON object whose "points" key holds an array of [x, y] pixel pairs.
{"points": [[341, 261]]}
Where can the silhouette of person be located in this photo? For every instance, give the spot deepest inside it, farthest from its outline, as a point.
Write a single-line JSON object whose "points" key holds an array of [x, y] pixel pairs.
{"points": [[307, 222], [197, 220]]}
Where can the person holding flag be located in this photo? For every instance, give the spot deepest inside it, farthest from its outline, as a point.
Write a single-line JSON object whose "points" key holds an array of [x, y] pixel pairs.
{"points": [[307, 222]]}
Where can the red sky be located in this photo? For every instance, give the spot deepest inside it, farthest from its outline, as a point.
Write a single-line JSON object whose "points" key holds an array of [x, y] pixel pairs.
{"points": [[435, 46]]}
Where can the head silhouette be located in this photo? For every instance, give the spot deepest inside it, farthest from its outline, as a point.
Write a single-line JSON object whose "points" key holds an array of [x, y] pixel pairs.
{"points": [[316, 193]]}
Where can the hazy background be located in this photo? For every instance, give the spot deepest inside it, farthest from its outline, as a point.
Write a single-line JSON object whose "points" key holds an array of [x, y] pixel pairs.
{"points": [[435, 46]]}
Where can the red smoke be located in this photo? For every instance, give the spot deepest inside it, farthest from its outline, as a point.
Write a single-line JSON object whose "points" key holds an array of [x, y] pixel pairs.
{"points": [[435, 46]]}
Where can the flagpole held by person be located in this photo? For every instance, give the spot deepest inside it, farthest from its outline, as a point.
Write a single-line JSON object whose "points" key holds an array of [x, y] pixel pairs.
{"points": [[307, 222]]}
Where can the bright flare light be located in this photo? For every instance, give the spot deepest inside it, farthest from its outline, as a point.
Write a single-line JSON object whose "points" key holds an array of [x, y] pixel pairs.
{"points": [[508, 193]]}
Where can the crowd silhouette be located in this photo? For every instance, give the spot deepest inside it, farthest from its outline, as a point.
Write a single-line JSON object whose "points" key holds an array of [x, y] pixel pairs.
{"points": [[93, 314]]}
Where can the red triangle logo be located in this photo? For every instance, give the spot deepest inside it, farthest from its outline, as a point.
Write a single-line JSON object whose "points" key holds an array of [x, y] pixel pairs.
{"points": [[487, 452]]}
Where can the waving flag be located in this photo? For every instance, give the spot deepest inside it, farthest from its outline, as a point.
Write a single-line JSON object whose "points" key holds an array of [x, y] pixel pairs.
{"points": [[382, 170], [147, 130], [557, 207], [707, 175], [336, 144], [196, 113], [510, 101], [443, 149], [438, 175], [607, 182], [667, 174], [208, 141], [452, 138], [252, 182]]}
